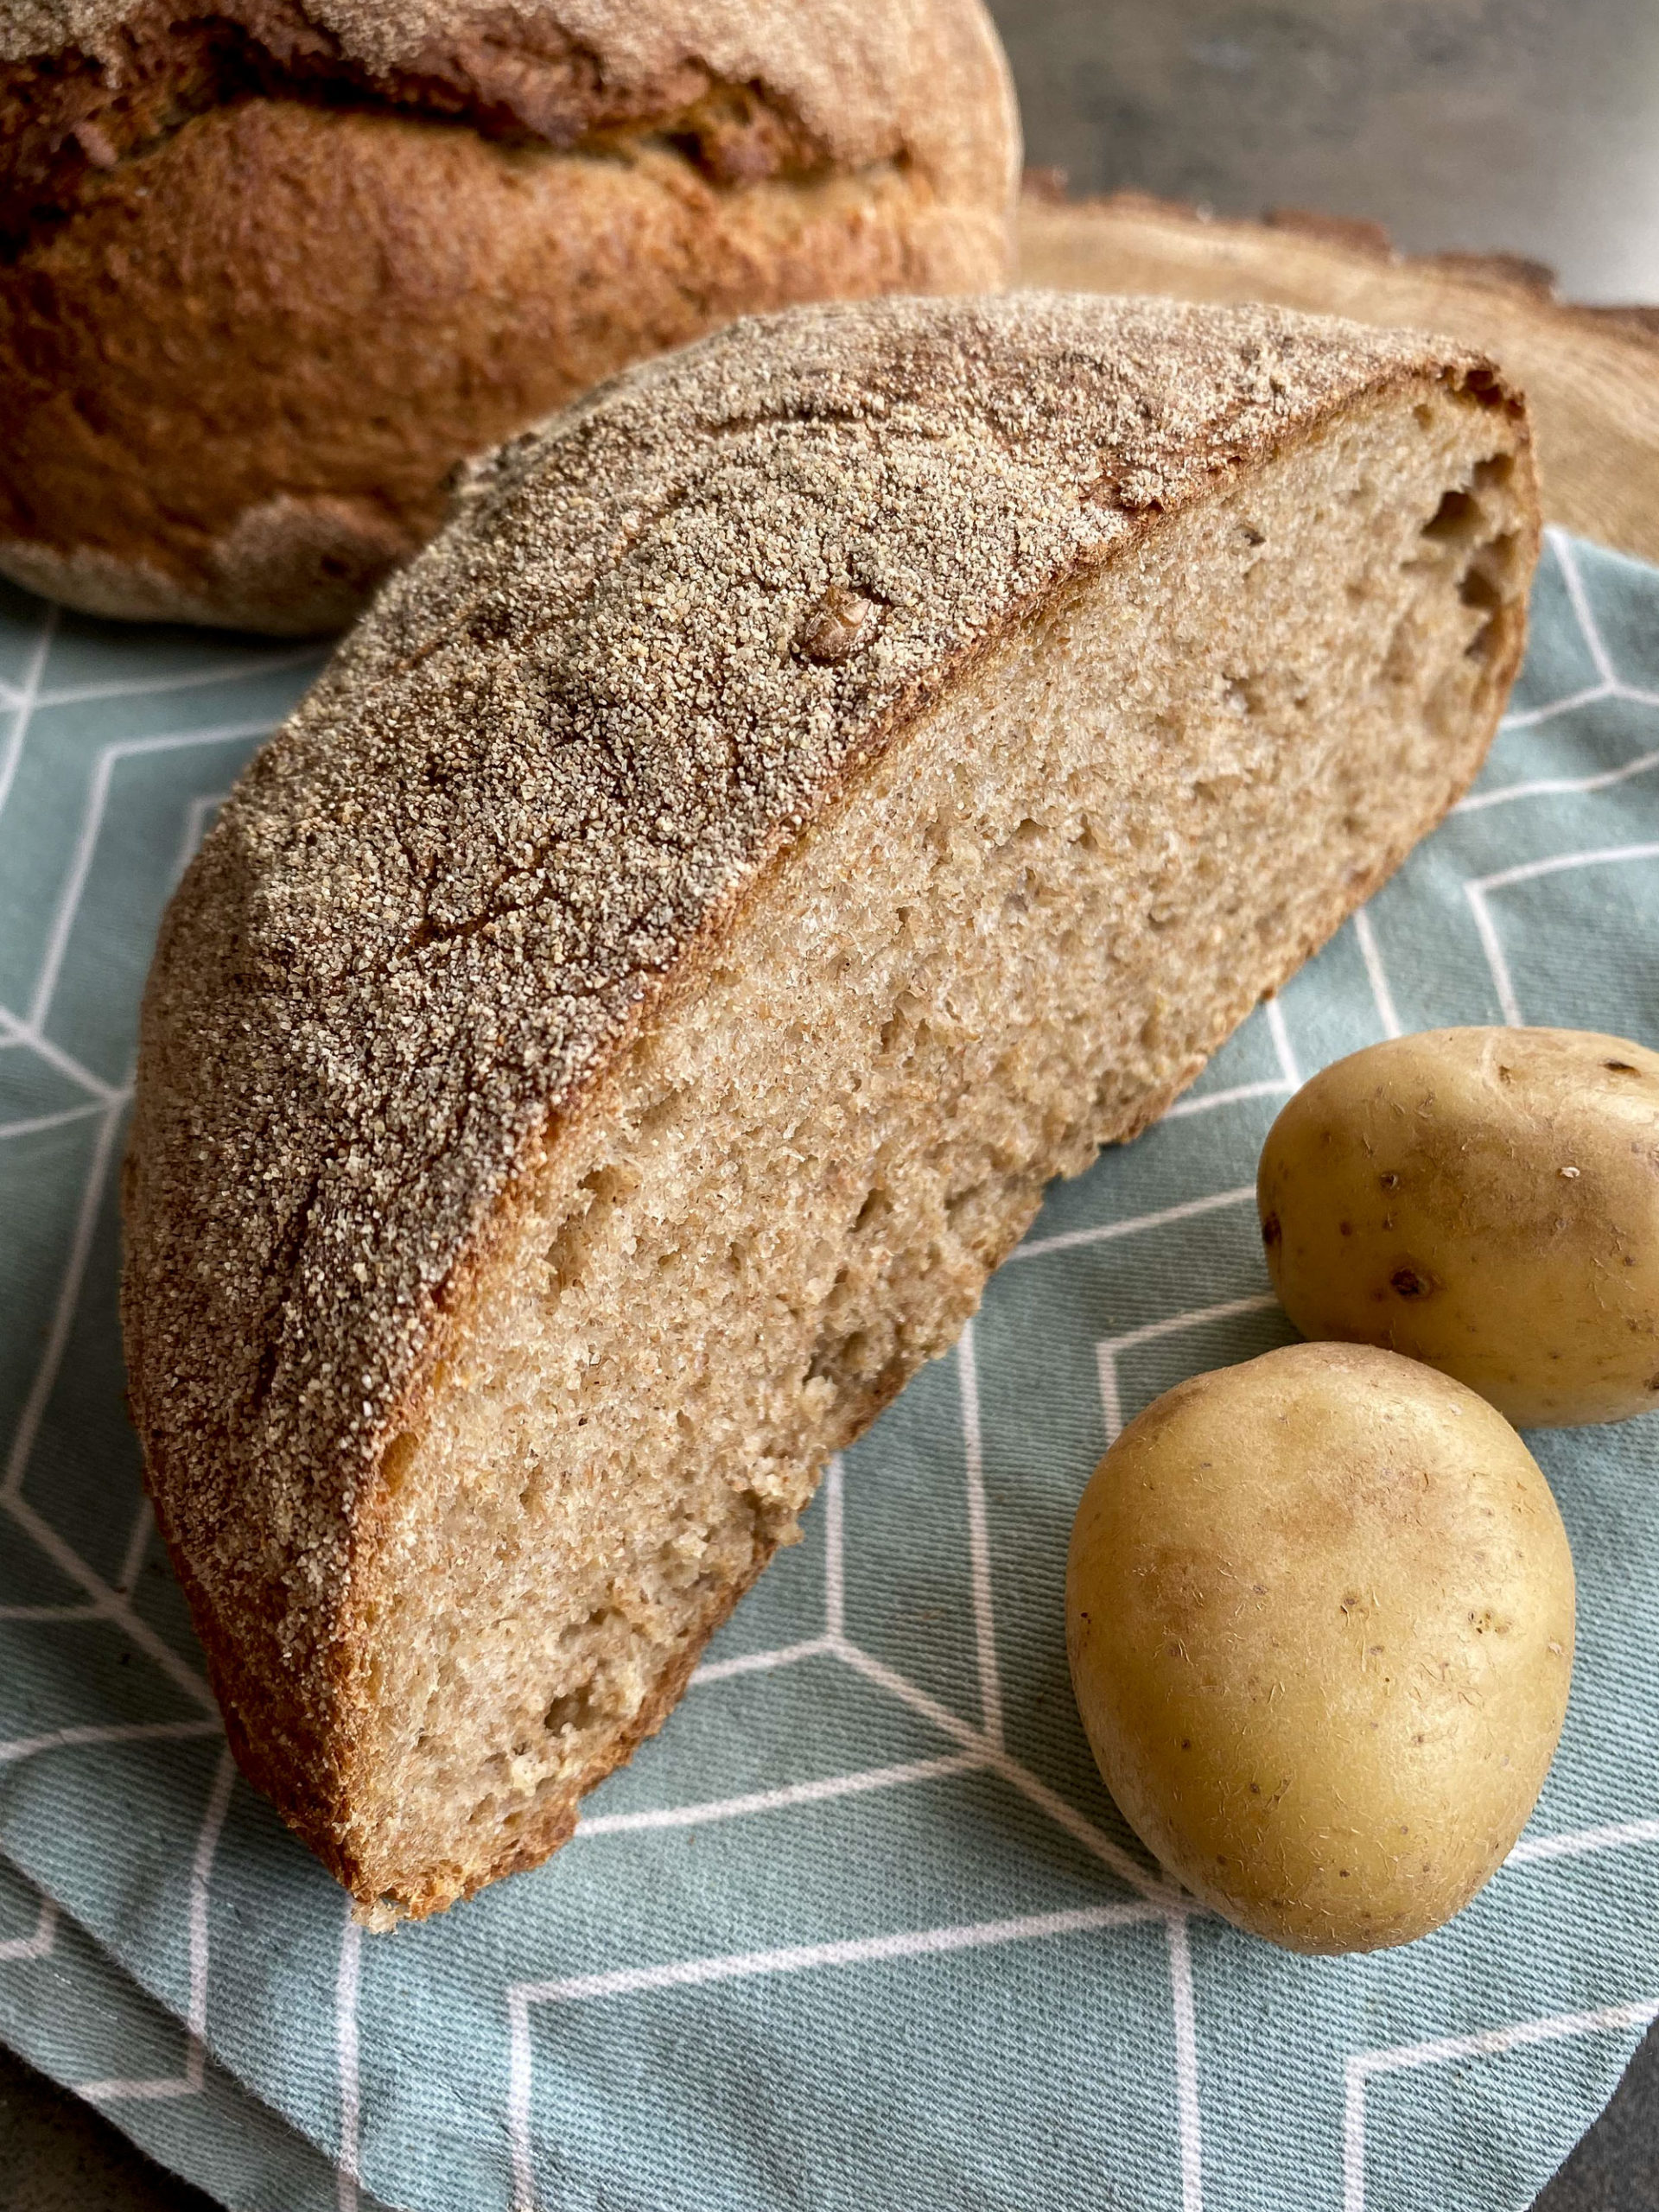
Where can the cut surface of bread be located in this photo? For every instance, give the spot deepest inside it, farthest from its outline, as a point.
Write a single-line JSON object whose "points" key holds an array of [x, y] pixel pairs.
{"points": [[577, 1185], [268, 274]]}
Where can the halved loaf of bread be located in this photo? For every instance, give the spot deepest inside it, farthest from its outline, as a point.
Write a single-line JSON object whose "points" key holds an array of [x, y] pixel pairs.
{"points": [[822, 785]]}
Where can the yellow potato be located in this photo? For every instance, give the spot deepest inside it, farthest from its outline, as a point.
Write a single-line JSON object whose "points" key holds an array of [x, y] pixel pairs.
{"points": [[1486, 1200], [1319, 1613]]}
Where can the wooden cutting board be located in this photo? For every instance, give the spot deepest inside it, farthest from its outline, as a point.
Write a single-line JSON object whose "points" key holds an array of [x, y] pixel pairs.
{"points": [[1591, 374]]}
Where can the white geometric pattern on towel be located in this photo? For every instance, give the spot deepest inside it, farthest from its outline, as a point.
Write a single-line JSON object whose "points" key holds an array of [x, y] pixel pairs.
{"points": [[100, 1089]]}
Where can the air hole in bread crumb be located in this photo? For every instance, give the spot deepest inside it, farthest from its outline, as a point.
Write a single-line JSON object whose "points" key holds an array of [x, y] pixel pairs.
{"points": [[1403, 662], [661, 1113], [1455, 521], [1215, 790], [875, 1209], [1477, 589], [1486, 585], [574, 1709]]}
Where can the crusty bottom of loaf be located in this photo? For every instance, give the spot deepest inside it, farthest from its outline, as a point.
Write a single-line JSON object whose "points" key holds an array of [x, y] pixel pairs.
{"points": [[288, 566], [1015, 938]]}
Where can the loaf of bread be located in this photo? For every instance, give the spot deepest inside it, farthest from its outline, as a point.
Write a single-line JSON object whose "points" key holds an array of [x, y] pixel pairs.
{"points": [[822, 785], [269, 268]]}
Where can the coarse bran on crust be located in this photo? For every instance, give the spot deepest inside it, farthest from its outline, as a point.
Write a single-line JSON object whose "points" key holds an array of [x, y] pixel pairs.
{"points": [[268, 268], [511, 835]]}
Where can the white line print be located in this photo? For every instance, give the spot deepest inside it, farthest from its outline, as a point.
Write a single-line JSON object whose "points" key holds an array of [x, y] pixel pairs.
{"points": [[1278, 1029], [68, 901], [1566, 560], [1201, 1102], [1574, 1843], [979, 1751], [1530, 717], [1069, 1239], [14, 1032], [106, 1603], [43, 1122], [110, 1604], [46, 1374], [76, 694], [761, 1662], [188, 2083], [39, 1943], [1108, 1348], [24, 702], [979, 1547], [1608, 685], [1183, 2014], [195, 828], [1006, 1768], [1558, 786], [787, 1794], [104, 1731], [348, 2164], [1279, 1086], [1475, 892], [1485, 2044], [1375, 975], [788, 1959], [1155, 1888]]}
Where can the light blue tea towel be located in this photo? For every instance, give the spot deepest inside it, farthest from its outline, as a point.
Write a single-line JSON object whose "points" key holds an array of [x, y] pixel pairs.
{"points": [[861, 1930]]}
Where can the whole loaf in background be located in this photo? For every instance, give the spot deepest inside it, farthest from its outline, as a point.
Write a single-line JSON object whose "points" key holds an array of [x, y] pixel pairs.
{"points": [[269, 268]]}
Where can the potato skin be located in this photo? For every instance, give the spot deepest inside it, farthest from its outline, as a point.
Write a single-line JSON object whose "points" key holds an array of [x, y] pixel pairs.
{"points": [[1319, 1613], [1486, 1200]]}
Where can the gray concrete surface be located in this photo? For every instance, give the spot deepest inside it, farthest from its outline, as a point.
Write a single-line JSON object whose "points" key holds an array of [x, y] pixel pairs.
{"points": [[1529, 125]]}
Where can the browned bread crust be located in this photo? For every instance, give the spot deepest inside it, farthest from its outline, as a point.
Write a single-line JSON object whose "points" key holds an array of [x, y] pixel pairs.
{"points": [[267, 270], [523, 808]]}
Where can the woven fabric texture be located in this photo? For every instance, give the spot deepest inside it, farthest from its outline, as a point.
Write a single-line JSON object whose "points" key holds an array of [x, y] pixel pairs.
{"points": [[862, 1928]]}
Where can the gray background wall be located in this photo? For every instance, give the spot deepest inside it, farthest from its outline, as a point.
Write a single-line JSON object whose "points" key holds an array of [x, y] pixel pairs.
{"points": [[1531, 125]]}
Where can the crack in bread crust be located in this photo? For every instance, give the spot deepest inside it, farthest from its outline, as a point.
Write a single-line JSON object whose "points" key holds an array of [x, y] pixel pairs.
{"points": [[761, 85], [67, 117]]}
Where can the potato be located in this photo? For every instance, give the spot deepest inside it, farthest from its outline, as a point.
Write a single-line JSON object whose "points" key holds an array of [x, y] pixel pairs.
{"points": [[1486, 1200], [1319, 1613]]}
